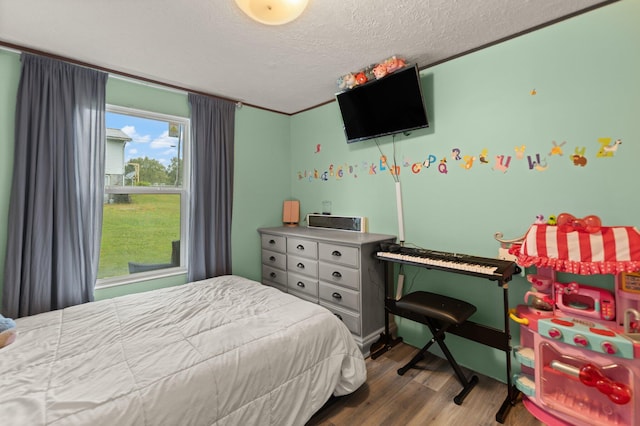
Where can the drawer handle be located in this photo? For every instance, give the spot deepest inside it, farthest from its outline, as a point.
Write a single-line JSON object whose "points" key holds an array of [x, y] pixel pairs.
{"points": [[272, 258], [300, 284], [300, 247], [336, 253], [336, 295], [339, 316], [272, 275], [272, 241], [337, 274], [300, 265]]}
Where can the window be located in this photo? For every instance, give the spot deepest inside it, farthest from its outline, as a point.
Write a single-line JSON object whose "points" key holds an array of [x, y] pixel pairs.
{"points": [[146, 196]]}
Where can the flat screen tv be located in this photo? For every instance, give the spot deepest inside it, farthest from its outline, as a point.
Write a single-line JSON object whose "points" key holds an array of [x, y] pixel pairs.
{"points": [[390, 105]]}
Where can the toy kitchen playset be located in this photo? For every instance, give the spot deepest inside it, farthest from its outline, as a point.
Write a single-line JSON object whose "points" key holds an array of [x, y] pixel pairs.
{"points": [[579, 348]]}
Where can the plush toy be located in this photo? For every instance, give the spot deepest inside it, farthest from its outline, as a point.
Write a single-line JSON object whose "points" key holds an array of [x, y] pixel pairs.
{"points": [[346, 82], [6, 323], [7, 331], [368, 72], [394, 64], [7, 337], [380, 71], [349, 81], [361, 78]]}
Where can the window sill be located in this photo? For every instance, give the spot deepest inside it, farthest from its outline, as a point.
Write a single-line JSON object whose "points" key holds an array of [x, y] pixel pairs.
{"points": [[139, 277]]}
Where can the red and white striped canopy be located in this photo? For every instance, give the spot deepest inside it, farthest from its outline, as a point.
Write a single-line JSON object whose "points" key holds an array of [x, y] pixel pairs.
{"points": [[612, 250]]}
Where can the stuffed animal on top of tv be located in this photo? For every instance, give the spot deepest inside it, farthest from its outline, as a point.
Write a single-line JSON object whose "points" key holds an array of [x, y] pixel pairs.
{"points": [[374, 71]]}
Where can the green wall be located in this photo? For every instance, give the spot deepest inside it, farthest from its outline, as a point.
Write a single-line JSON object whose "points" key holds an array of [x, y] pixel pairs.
{"points": [[262, 181], [10, 72], [583, 71], [585, 75]]}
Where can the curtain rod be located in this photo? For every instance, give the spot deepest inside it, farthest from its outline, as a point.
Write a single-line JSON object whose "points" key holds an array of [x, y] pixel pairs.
{"points": [[15, 48]]}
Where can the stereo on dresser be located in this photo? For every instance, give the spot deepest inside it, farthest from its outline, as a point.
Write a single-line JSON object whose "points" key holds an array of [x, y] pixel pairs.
{"points": [[340, 223]]}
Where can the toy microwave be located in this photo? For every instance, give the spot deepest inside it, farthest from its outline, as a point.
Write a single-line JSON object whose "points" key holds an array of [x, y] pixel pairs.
{"points": [[577, 299]]}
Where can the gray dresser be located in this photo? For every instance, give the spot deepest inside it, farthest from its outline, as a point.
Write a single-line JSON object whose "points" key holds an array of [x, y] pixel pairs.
{"points": [[333, 268]]}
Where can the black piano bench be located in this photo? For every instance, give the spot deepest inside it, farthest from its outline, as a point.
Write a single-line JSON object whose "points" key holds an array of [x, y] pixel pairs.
{"points": [[438, 312]]}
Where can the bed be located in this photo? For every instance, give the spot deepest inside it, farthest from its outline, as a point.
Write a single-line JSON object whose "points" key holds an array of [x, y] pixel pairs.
{"points": [[223, 351]]}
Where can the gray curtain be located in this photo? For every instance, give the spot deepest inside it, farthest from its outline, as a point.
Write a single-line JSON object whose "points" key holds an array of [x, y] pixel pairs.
{"points": [[55, 211], [212, 136]]}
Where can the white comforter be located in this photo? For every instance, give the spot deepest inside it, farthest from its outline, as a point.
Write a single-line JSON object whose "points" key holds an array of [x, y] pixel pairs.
{"points": [[225, 351]]}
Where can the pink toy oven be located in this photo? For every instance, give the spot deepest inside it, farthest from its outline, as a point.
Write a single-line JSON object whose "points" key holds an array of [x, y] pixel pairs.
{"points": [[577, 299], [581, 366], [586, 388], [583, 372]]}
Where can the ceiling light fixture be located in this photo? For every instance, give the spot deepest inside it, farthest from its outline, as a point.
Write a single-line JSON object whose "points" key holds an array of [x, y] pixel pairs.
{"points": [[273, 12]]}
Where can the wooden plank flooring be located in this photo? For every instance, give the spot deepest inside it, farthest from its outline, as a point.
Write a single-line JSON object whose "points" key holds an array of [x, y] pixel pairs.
{"points": [[423, 396]]}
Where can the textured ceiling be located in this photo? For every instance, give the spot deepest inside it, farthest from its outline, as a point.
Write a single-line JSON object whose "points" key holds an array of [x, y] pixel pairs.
{"points": [[210, 46]]}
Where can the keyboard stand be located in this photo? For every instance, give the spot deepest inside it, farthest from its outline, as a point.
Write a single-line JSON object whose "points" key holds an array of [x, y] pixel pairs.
{"points": [[386, 341], [489, 336]]}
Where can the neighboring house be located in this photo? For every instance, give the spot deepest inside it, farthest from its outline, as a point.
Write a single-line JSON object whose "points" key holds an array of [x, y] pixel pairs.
{"points": [[114, 157], [114, 174]]}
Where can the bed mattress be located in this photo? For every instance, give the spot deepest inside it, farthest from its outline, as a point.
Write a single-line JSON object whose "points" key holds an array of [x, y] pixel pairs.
{"points": [[223, 351]]}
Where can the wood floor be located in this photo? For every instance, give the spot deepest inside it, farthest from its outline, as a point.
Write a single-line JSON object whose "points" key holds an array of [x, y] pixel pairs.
{"points": [[423, 396]]}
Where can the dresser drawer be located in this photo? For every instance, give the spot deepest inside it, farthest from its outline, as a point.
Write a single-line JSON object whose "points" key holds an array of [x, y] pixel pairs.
{"points": [[301, 265], [300, 247], [275, 259], [339, 254], [274, 242], [275, 275], [300, 284], [351, 320], [339, 275], [340, 296]]}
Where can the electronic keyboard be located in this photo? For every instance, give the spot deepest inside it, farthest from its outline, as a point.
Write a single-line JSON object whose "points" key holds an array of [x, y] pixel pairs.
{"points": [[484, 267]]}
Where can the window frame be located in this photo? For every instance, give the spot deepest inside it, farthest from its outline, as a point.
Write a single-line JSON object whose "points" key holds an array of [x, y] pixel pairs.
{"points": [[184, 191]]}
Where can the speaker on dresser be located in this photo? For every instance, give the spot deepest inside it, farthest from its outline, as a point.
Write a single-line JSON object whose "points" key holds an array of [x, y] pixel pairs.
{"points": [[342, 223]]}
